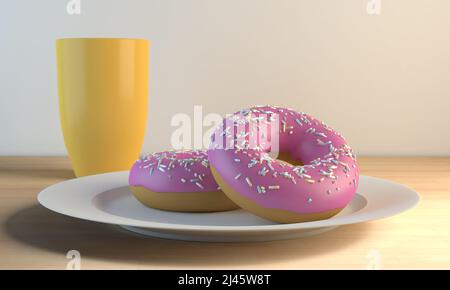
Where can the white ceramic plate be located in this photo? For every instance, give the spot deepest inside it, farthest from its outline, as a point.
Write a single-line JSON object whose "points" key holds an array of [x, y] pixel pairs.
{"points": [[105, 198]]}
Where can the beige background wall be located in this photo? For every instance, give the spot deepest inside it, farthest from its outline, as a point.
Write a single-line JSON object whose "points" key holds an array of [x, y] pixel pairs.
{"points": [[382, 80]]}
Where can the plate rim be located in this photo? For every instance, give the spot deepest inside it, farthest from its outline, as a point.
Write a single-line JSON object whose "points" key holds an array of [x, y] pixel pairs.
{"points": [[357, 217]]}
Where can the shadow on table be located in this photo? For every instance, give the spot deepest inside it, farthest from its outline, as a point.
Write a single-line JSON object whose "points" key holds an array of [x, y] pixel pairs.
{"points": [[39, 227]]}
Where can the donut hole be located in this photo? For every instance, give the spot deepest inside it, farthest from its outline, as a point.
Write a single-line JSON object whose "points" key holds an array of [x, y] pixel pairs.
{"points": [[287, 158]]}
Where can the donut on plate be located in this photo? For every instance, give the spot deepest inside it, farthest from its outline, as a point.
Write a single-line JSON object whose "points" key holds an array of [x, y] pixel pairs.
{"points": [[315, 176], [177, 181]]}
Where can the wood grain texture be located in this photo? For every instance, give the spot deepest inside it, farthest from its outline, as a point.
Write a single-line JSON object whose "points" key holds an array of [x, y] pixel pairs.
{"points": [[32, 237]]}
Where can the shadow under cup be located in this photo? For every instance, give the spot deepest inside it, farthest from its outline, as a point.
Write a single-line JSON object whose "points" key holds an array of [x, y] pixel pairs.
{"points": [[103, 97]]}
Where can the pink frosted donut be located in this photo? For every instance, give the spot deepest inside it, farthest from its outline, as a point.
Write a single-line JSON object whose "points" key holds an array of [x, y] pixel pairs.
{"points": [[316, 174], [177, 181]]}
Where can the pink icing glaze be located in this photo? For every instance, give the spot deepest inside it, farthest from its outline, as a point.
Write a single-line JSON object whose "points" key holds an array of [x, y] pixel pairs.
{"points": [[328, 180], [173, 171]]}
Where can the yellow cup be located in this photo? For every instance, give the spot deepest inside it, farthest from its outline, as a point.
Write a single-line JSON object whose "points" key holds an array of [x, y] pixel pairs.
{"points": [[103, 96]]}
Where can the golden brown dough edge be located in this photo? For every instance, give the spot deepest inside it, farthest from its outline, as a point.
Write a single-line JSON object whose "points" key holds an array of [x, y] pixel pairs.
{"points": [[277, 215], [184, 201]]}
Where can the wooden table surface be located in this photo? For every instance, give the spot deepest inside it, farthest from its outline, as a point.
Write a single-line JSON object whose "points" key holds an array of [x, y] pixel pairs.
{"points": [[32, 237]]}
